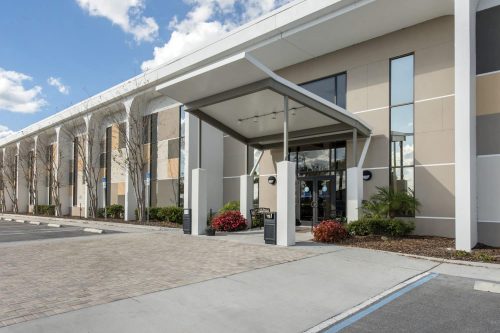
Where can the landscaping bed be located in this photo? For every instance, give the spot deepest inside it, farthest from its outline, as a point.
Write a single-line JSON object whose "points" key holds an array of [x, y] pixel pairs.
{"points": [[438, 247]]}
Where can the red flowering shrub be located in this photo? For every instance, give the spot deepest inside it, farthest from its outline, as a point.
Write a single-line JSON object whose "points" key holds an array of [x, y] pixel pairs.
{"points": [[231, 220], [329, 231]]}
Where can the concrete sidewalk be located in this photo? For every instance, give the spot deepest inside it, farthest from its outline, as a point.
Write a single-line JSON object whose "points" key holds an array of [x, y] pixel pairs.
{"points": [[289, 297]]}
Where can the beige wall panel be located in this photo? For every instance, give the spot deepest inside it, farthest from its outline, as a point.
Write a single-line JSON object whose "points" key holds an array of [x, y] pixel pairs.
{"points": [[380, 178], [434, 32], [377, 155], [378, 121], [234, 157], [489, 233], [435, 115], [377, 87], [168, 124], [120, 189], [114, 194], [488, 96], [267, 194], [268, 162], [117, 168], [167, 192], [435, 147], [434, 71], [435, 227], [357, 97], [162, 162], [435, 188], [231, 189], [173, 168]]}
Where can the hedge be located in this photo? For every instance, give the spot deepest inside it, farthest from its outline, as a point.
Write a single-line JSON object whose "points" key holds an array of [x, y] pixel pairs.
{"points": [[377, 226]]}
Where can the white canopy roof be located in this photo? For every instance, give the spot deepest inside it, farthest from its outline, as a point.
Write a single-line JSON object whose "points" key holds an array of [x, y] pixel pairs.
{"points": [[245, 99]]}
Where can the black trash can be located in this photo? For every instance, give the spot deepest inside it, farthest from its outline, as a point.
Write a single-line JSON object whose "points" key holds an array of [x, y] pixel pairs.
{"points": [[186, 221], [270, 228]]}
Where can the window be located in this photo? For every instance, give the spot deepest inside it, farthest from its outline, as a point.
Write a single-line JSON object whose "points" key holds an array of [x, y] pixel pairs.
{"points": [[182, 155], [332, 88], [75, 172], [402, 162]]}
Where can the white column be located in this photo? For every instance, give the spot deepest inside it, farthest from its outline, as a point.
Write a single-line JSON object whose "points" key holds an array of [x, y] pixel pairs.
{"points": [[63, 154], [22, 184], [354, 193], [130, 197], [465, 125], [285, 234], [191, 154], [199, 201], [246, 197], [7, 200]]}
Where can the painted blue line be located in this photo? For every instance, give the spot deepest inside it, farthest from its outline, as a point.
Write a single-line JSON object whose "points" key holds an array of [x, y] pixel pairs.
{"points": [[365, 312]]}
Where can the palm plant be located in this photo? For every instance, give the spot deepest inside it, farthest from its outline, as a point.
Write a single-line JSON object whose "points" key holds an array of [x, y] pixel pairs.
{"points": [[387, 203]]}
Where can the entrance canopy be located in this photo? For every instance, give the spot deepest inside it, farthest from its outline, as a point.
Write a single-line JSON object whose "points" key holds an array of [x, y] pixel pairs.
{"points": [[246, 100]]}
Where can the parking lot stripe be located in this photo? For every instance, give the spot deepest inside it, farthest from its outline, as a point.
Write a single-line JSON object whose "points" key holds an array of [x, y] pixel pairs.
{"points": [[365, 312], [338, 318]]}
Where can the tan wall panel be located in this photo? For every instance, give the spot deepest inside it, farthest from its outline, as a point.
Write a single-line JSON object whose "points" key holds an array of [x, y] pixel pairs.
{"points": [[488, 97], [231, 189], [380, 178], [435, 227], [234, 157], [168, 124], [435, 147], [434, 71], [173, 168], [435, 188], [268, 162], [378, 121], [267, 194], [166, 192]]}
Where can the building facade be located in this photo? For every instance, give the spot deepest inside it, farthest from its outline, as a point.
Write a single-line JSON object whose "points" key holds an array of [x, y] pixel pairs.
{"points": [[423, 76]]}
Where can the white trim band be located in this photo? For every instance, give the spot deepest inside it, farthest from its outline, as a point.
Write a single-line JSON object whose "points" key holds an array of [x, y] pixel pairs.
{"points": [[487, 221], [433, 165], [435, 217]]}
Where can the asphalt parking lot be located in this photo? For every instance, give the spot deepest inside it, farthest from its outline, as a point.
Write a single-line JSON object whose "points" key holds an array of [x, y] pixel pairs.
{"points": [[443, 304], [16, 232]]}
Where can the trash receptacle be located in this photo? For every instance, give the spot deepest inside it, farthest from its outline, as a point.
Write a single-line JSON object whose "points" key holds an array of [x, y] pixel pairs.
{"points": [[186, 221], [270, 228]]}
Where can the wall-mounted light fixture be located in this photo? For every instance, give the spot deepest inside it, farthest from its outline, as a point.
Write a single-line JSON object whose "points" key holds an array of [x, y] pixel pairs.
{"points": [[367, 175], [271, 180]]}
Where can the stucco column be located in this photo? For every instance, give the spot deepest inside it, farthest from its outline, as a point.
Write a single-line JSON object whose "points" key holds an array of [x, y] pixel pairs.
{"points": [[465, 125], [130, 197], [63, 155], [246, 197], [22, 183], [285, 234], [8, 202], [354, 193], [199, 201]]}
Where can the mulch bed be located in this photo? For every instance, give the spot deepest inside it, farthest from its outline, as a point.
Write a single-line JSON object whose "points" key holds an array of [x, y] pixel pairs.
{"points": [[438, 247]]}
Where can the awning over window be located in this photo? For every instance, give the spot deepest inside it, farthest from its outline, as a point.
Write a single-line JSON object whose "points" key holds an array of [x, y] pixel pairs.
{"points": [[244, 99]]}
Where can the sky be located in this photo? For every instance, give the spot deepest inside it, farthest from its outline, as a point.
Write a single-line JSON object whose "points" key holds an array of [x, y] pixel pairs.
{"points": [[56, 53]]}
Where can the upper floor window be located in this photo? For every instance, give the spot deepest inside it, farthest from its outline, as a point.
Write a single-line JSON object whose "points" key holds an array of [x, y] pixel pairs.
{"points": [[332, 88]]}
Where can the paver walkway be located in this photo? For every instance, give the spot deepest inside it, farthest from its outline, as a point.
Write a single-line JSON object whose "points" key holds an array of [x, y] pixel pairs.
{"points": [[46, 278]]}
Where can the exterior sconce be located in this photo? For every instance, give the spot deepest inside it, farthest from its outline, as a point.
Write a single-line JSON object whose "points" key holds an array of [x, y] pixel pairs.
{"points": [[367, 175], [271, 180]]}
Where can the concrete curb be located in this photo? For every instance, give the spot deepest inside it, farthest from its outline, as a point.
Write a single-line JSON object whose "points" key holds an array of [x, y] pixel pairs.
{"points": [[35, 222], [94, 230], [54, 225], [19, 221]]}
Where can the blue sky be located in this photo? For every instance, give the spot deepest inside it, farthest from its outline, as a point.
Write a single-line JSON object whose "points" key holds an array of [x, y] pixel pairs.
{"points": [[56, 53]]}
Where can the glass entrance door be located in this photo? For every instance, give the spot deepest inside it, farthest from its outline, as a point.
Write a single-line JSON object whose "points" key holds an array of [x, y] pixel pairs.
{"points": [[317, 199]]}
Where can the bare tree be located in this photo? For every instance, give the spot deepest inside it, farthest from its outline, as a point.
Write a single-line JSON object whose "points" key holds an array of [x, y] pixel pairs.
{"points": [[134, 158], [10, 174], [49, 154], [2, 187], [88, 158], [26, 164]]}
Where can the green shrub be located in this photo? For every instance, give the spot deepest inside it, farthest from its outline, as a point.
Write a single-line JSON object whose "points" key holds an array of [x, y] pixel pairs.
{"points": [[378, 226], [100, 212], [49, 210], [154, 213], [113, 211], [172, 214], [358, 228], [230, 206]]}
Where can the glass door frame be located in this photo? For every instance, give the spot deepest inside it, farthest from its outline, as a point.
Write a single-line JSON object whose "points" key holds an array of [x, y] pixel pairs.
{"points": [[315, 194]]}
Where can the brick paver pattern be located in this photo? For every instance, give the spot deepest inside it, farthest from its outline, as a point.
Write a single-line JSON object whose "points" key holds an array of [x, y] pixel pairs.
{"points": [[47, 278]]}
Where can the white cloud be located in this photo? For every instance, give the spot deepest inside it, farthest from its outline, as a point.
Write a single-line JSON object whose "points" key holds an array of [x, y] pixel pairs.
{"points": [[5, 132], [15, 97], [56, 82], [127, 14], [207, 21]]}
